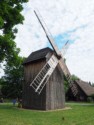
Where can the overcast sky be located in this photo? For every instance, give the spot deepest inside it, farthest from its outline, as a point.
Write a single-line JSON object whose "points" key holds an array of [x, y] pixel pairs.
{"points": [[71, 20]]}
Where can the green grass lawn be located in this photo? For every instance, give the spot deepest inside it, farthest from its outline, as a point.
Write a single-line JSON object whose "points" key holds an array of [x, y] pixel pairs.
{"points": [[80, 114]]}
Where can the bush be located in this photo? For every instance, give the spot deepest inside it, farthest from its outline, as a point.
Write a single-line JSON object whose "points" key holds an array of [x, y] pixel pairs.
{"points": [[90, 99]]}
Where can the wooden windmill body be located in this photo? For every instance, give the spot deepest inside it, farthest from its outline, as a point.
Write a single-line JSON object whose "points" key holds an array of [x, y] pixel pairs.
{"points": [[52, 95], [44, 70]]}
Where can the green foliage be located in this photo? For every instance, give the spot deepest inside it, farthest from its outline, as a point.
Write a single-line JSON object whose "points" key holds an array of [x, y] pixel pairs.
{"points": [[74, 77], [7, 47], [66, 84], [90, 99], [10, 16], [1, 22], [13, 79]]}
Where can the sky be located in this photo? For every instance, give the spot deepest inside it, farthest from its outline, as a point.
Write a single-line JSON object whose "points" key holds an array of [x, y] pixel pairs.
{"points": [[71, 20]]}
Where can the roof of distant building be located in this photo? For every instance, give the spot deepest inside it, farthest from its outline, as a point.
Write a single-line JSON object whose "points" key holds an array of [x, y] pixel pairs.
{"points": [[86, 87]]}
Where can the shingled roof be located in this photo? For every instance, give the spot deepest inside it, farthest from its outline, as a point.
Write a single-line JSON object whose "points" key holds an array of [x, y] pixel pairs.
{"points": [[39, 54], [86, 87]]}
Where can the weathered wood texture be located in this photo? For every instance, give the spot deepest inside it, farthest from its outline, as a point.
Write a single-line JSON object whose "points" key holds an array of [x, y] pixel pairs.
{"points": [[31, 99], [52, 96], [55, 96]]}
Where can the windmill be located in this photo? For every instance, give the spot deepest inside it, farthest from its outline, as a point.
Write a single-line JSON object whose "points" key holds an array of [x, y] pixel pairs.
{"points": [[45, 73], [44, 70], [65, 47]]}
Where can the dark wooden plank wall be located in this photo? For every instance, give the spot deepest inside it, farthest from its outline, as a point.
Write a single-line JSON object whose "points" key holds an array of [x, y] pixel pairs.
{"points": [[52, 96], [55, 95], [31, 99]]}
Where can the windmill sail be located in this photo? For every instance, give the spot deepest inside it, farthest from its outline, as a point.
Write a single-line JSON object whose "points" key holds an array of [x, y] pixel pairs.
{"points": [[61, 59], [64, 49], [48, 34], [51, 40], [43, 76]]}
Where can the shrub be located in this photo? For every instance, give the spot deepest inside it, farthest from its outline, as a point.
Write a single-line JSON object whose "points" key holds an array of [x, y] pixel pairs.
{"points": [[90, 99]]}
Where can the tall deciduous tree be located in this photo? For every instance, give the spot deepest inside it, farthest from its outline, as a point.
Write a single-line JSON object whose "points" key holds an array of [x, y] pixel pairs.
{"points": [[10, 15]]}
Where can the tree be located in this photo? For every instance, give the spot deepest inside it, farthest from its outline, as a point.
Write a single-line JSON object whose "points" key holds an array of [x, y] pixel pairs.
{"points": [[10, 15], [74, 77], [13, 79]]}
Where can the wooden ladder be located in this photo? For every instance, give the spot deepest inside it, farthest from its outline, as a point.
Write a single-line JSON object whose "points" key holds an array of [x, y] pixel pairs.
{"points": [[43, 76]]}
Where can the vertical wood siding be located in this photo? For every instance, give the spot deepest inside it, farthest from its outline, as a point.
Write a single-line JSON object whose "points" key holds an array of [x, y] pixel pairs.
{"points": [[52, 96], [55, 95], [31, 99]]}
